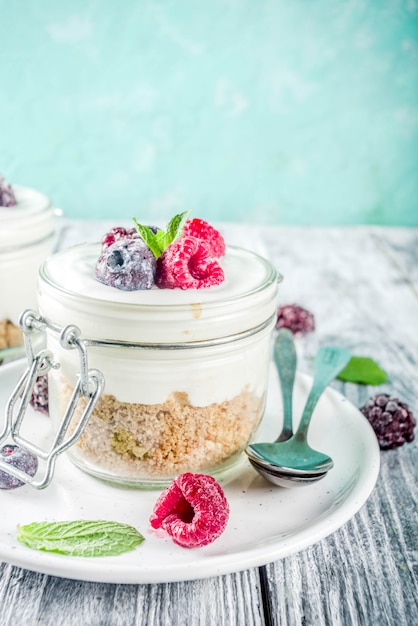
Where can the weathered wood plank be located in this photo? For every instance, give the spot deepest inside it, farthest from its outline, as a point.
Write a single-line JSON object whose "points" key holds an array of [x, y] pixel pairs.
{"points": [[28, 598]]}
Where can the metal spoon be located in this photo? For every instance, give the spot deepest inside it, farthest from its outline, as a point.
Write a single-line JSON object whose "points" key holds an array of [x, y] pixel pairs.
{"points": [[282, 479], [295, 456], [284, 354]]}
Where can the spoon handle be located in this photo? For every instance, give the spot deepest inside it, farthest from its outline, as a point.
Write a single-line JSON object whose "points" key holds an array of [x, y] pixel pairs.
{"points": [[285, 359], [329, 362]]}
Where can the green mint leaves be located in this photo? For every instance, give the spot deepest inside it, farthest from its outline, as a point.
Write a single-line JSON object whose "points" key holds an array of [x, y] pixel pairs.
{"points": [[80, 538], [159, 241], [361, 369]]}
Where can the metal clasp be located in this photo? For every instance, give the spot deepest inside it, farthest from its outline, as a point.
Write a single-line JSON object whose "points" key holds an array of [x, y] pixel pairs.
{"points": [[90, 385]]}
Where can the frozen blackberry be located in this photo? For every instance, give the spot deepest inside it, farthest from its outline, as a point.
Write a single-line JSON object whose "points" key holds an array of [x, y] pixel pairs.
{"points": [[391, 419], [7, 197], [39, 398], [128, 264], [299, 320], [20, 458]]}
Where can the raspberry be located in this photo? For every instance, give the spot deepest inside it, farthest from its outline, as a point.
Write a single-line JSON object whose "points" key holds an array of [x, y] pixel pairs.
{"points": [[20, 458], [187, 264], [7, 197], [391, 419], [116, 234], [193, 510], [39, 398], [119, 232], [203, 230], [299, 320], [127, 264]]}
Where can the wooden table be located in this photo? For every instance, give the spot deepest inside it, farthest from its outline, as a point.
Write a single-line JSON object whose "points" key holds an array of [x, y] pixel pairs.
{"points": [[362, 286]]}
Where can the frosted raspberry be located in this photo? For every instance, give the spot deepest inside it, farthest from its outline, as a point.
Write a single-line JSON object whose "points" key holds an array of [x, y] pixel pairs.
{"points": [[128, 264], [391, 419], [193, 510], [116, 234], [187, 264], [39, 398], [203, 230], [7, 197], [299, 320]]}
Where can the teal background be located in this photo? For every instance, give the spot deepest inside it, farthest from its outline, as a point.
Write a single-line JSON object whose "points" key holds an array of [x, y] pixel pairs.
{"points": [[293, 112]]}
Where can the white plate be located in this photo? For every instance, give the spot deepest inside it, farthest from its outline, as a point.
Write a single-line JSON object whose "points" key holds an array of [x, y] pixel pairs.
{"points": [[266, 522]]}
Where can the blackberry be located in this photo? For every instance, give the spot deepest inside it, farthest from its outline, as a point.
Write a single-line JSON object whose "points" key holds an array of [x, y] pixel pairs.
{"points": [[7, 197], [20, 458], [299, 320], [127, 264], [391, 419], [39, 398]]}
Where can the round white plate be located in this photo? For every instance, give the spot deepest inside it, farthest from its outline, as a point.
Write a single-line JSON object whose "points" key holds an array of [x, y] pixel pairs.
{"points": [[266, 522]]}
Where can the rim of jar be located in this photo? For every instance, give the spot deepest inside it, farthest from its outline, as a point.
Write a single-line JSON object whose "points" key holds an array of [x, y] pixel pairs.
{"points": [[178, 323], [29, 222]]}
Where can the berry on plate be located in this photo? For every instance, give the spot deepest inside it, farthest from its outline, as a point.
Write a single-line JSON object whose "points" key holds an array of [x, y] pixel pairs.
{"points": [[299, 320], [127, 264], [391, 420], [188, 264], [203, 230], [20, 458], [193, 510]]}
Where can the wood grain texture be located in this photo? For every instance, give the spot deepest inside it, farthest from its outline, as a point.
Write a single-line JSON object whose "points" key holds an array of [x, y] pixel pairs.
{"points": [[362, 286]]}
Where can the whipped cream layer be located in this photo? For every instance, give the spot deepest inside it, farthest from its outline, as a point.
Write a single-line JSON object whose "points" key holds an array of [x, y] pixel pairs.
{"points": [[169, 324]]}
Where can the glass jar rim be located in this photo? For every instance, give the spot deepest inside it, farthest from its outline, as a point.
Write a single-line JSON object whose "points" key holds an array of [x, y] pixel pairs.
{"points": [[29, 222], [169, 316]]}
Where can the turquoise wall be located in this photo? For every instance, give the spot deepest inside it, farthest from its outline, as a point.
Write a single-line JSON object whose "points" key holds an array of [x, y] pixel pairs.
{"points": [[296, 112]]}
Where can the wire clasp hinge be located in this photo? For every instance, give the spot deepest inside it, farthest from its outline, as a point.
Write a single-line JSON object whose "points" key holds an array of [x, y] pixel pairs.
{"points": [[90, 385]]}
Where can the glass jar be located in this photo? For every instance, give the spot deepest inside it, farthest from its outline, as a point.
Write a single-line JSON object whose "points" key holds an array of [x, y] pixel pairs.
{"points": [[26, 236], [185, 370]]}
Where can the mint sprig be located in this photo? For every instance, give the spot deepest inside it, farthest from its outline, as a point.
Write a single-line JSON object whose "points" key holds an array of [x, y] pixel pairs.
{"points": [[363, 370], [159, 241], [80, 538]]}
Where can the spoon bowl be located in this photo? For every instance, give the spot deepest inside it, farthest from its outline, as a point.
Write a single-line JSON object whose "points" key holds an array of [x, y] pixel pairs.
{"points": [[255, 459], [284, 479]]}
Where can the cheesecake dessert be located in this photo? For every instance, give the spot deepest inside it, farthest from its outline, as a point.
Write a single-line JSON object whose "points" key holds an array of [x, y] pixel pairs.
{"points": [[182, 337]]}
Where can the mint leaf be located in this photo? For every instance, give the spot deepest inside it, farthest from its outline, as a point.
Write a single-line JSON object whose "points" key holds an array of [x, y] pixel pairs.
{"points": [[150, 238], [80, 538], [362, 369], [175, 227], [158, 242]]}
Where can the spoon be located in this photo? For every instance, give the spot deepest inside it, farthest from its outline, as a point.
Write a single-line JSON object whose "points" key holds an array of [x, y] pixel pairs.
{"points": [[284, 354], [282, 479], [285, 358], [294, 454]]}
